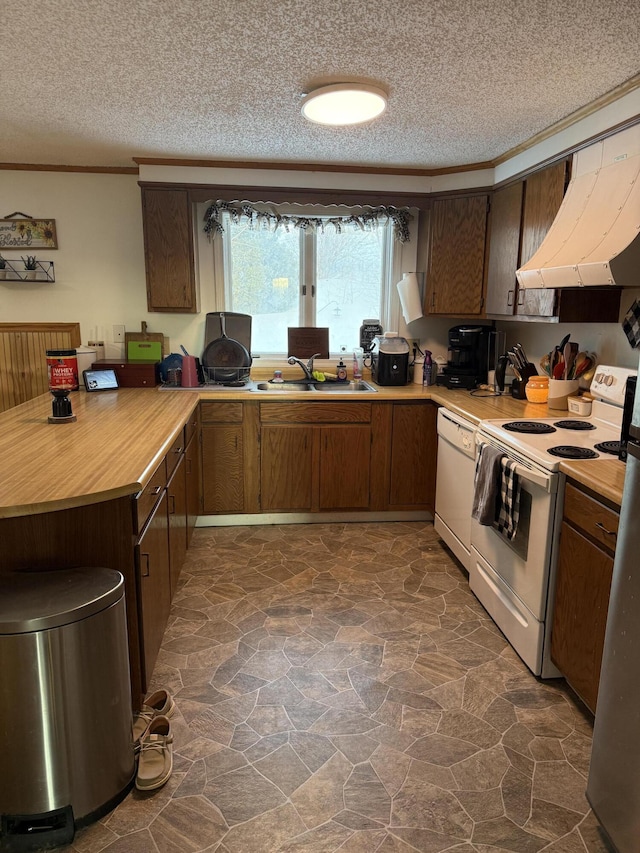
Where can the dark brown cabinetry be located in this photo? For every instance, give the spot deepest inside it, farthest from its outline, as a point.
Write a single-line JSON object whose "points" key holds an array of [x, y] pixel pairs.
{"points": [[169, 250], [318, 457], [154, 591], [414, 439], [585, 566], [521, 215], [193, 471], [455, 274]]}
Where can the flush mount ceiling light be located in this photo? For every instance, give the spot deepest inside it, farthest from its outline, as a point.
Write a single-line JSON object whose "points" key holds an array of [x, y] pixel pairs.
{"points": [[344, 103]]}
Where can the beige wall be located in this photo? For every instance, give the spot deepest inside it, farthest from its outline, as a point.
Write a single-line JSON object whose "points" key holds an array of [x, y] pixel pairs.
{"points": [[99, 266]]}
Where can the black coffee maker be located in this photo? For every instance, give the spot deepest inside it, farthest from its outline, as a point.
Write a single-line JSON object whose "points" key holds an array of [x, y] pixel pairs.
{"points": [[470, 353]]}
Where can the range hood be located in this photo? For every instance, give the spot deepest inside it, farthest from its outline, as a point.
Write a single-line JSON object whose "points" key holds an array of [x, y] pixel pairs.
{"points": [[595, 238]]}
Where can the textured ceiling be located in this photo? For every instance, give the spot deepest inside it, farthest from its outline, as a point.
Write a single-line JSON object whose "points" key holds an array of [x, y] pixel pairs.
{"points": [[97, 82]]}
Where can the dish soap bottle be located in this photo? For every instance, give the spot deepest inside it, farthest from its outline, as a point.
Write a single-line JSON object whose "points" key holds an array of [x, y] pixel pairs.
{"points": [[341, 371]]}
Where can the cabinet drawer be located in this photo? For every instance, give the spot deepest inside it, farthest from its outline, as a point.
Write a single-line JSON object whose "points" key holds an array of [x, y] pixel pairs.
{"points": [[175, 452], [221, 413], [316, 413], [149, 496], [587, 514]]}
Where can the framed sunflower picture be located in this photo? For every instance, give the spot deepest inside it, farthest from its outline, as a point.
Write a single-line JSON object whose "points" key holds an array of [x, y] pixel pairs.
{"points": [[28, 234]]}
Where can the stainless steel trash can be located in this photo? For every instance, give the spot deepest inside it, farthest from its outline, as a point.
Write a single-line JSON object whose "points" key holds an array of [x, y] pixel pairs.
{"points": [[65, 703]]}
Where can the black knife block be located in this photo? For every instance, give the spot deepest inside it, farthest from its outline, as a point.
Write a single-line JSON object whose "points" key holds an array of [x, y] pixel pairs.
{"points": [[518, 385]]}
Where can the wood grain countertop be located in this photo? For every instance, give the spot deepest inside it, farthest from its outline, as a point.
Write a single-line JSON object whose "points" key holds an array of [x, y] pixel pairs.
{"points": [[111, 450], [120, 437]]}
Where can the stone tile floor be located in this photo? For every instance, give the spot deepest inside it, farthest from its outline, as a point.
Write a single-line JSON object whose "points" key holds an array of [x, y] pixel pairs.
{"points": [[339, 688]]}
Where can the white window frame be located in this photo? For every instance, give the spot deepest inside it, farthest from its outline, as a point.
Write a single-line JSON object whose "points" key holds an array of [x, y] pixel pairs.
{"points": [[399, 258]]}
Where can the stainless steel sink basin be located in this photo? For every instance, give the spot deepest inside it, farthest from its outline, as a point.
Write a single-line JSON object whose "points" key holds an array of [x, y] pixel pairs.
{"points": [[344, 387], [353, 387], [284, 386]]}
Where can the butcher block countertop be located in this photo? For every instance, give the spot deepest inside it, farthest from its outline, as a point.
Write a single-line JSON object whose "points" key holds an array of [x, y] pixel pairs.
{"points": [[120, 437]]}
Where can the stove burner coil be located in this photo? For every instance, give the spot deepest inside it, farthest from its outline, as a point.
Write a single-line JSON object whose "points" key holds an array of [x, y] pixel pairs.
{"points": [[577, 425], [567, 451], [531, 427], [608, 447]]}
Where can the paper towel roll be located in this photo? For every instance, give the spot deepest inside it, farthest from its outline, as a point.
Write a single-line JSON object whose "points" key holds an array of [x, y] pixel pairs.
{"points": [[409, 293]]}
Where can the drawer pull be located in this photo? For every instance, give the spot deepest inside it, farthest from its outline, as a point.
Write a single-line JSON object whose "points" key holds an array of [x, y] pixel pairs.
{"points": [[172, 505], [157, 490], [178, 451], [601, 526], [145, 572]]}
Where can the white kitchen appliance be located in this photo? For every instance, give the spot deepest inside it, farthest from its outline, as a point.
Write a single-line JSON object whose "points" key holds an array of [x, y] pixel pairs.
{"points": [[454, 485], [515, 579]]}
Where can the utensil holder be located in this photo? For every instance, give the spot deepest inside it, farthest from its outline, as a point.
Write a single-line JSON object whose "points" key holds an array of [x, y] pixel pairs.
{"points": [[559, 391]]}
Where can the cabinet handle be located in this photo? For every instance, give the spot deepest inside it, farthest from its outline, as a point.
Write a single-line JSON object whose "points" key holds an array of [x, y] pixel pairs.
{"points": [[601, 526], [178, 451], [188, 470], [172, 504], [509, 298], [145, 574], [157, 490], [521, 297]]}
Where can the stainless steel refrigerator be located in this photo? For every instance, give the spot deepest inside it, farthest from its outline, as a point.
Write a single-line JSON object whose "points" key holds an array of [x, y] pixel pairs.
{"points": [[614, 777]]}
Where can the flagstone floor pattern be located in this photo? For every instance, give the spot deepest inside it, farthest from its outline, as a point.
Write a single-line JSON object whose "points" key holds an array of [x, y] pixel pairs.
{"points": [[339, 688]]}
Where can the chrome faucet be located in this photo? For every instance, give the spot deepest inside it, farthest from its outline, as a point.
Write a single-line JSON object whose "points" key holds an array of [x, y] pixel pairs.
{"points": [[307, 368]]}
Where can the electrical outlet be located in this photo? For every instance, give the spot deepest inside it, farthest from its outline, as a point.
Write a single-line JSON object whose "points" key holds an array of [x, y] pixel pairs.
{"points": [[118, 334]]}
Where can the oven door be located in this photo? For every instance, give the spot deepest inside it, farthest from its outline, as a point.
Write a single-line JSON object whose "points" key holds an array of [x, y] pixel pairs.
{"points": [[511, 578]]}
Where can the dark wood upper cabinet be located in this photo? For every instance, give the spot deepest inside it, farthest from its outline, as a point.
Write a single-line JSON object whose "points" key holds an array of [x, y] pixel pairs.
{"points": [[543, 194], [455, 275], [169, 250], [521, 215], [504, 248]]}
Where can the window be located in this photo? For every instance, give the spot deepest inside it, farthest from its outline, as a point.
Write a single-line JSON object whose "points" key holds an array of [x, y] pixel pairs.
{"points": [[306, 278]]}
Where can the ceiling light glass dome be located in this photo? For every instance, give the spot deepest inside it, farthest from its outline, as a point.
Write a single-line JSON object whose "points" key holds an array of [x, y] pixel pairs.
{"points": [[344, 103]]}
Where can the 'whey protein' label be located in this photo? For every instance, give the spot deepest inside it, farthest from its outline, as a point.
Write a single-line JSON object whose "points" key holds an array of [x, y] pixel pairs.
{"points": [[62, 369]]}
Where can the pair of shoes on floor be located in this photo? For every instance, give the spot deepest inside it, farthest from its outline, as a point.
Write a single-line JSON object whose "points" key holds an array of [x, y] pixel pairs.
{"points": [[153, 741]]}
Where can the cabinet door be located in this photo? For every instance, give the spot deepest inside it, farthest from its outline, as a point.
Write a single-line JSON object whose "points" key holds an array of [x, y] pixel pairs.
{"points": [[414, 449], [194, 479], [455, 280], [168, 249], [222, 468], [286, 468], [152, 561], [504, 249], [580, 615], [543, 194], [177, 507], [345, 467]]}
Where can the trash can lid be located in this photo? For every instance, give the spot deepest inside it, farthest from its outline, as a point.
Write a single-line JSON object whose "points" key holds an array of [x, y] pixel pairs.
{"points": [[38, 601]]}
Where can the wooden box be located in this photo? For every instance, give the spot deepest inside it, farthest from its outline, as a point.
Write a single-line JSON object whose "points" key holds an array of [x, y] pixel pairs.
{"points": [[132, 374]]}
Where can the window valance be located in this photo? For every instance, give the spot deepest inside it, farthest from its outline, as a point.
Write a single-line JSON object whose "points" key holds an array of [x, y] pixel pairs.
{"points": [[268, 218]]}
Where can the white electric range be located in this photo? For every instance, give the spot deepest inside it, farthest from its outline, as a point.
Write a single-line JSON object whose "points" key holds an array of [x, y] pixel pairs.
{"points": [[515, 580]]}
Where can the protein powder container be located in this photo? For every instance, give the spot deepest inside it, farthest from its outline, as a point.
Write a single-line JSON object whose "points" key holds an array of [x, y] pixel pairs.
{"points": [[62, 369]]}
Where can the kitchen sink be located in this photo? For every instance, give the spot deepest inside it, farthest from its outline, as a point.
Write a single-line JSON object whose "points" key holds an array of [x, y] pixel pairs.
{"points": [[325, 387], [344, 387], [284, 386]]}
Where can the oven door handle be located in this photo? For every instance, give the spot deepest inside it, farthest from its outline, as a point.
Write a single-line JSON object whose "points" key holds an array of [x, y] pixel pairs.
{"points": [[537, 477]]}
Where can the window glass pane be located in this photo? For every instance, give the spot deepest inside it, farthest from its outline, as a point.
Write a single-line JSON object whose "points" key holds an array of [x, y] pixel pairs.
{"points": [[349, 269], [265, 281]]}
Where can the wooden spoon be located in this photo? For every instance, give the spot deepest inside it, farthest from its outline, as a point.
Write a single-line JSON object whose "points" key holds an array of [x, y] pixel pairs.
{"points": [[570, 352]]}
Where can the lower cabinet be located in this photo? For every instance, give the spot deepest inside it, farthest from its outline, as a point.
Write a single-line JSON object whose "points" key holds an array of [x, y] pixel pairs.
{"points": [[290, 456], [414, 440], [583, 583], [194, 481], [154, 590], [177, 509]]}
